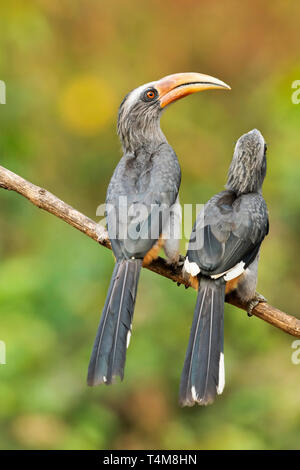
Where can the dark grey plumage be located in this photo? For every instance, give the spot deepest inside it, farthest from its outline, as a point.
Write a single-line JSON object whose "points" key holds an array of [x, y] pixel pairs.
{"points": [[113, 336], [142, 207], [149, 180], [224, 245], [231, 229], [200, 375], [148, 176]]}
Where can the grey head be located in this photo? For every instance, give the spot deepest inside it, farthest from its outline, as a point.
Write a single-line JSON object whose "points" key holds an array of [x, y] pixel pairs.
{"points": [[140, 111], [139, 119], [249, 164]]}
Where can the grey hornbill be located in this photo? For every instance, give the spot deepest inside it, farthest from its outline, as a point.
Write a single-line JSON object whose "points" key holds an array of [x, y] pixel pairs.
{"points": [[142, 199], [222, 257]]}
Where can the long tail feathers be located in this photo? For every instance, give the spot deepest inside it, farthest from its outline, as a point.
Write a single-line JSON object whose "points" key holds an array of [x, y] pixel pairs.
{"points": [[203, 372], [113, 336]]}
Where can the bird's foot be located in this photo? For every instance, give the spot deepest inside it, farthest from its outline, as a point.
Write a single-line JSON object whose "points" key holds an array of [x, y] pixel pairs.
{"points": [[258, 298], [180, 261], [176, 263]]}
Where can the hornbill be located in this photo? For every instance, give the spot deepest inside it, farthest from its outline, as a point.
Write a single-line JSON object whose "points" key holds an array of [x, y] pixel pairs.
{"points": [[142, 200], [222, 257]]}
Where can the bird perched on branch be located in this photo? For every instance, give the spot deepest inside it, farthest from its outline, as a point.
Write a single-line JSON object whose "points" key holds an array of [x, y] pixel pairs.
{"points": [[142, 210], [223, 256]]}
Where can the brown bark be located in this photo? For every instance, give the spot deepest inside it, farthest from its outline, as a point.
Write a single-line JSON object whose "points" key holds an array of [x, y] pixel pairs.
{"points": [[45, 200]]}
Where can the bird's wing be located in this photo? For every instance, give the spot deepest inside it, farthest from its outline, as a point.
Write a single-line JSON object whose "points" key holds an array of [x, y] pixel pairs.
{"points": [[229, 231], [140, 202]]}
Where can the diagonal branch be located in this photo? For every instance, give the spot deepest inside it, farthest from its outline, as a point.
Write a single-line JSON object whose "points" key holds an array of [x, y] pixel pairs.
{"points": [[45, 200]]}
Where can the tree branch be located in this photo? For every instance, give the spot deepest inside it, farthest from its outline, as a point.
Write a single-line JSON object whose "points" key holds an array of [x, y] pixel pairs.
{"points": [[45, 200]]}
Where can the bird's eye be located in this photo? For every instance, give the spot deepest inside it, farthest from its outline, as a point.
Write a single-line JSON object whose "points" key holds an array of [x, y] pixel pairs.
{"points": [[150, 94]]}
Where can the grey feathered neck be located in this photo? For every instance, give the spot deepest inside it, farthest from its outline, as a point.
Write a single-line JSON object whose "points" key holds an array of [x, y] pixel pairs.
{"points": [[248, 167], [139, 126]]}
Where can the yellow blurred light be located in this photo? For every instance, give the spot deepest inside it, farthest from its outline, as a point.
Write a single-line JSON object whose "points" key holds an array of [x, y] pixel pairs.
{"points": [[87, 104]]}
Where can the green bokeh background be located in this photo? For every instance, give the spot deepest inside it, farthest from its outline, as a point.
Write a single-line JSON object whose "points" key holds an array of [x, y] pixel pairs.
{"points": [[67, 65]]}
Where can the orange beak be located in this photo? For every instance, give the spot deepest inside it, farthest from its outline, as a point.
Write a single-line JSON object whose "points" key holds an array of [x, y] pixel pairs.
{"points": [[176, 86]]}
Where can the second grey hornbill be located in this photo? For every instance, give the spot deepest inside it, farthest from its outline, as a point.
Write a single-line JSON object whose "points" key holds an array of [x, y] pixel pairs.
{"points": [[222, 257], [142, 200]]}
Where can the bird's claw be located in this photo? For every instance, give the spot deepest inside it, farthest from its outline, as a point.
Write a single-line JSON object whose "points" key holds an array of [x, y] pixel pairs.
{"points": [[177, 263], [254, 302], [181, 261]]}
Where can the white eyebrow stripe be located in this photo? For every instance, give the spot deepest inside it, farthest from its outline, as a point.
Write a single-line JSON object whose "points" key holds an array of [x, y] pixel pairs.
{"points": [[134, 94]]}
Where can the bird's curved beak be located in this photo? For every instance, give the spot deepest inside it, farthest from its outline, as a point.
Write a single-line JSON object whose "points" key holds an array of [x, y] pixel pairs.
{"points": [[176, 86]]}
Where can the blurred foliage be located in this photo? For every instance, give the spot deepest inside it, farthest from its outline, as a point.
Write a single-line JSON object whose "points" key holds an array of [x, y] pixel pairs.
{"points": [[67, 64]]}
